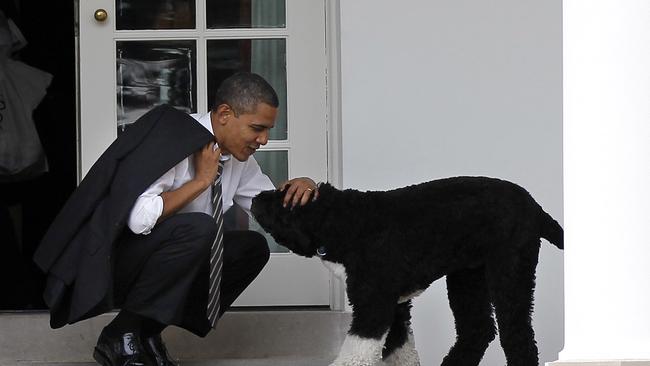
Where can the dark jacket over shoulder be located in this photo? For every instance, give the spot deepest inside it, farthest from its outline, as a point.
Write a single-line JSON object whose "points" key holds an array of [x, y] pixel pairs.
{"points": [[76, 251]]}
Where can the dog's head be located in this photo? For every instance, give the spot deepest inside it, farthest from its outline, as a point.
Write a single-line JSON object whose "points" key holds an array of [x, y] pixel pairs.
{"points": [[291, 227]]}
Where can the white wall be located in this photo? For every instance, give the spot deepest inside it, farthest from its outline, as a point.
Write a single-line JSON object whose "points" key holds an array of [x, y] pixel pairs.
{"points": [[434, 88]]}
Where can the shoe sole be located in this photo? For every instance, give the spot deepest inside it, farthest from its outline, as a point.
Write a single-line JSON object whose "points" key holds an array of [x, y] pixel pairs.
{"points": [[101, 358]]}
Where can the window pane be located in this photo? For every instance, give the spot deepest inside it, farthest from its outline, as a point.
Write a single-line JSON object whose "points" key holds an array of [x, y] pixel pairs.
{"points": [[245, 14], [155, 14], [150, 73], [266, 57], [275, 164]]}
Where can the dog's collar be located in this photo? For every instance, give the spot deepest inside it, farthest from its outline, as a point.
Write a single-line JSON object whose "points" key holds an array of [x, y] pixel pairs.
{"points": [[321, 251]]}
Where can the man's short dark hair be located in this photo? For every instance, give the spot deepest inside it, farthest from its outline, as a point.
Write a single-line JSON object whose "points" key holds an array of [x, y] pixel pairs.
{"points": [[243, 91]]}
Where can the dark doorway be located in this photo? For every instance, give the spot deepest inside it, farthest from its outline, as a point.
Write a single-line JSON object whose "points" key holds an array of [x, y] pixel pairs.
{"points": [[30, 200]]}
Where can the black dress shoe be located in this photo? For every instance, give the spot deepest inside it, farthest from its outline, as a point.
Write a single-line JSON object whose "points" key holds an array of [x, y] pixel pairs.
{"points": [[126, 350], [156, 350]]}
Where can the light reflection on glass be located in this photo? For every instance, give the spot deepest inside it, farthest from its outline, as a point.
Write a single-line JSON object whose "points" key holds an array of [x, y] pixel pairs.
{"points": [[150, 73]]}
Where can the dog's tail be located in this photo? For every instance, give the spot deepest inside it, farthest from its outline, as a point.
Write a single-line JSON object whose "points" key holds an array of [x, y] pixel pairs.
{"points": [[551, 230]]}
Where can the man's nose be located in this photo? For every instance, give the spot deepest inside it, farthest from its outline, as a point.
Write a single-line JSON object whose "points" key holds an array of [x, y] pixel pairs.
{"points": [[263, 138]]}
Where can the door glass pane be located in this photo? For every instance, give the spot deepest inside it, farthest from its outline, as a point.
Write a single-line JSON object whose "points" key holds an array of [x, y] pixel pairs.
{"points": [[266, 57], [275, 164], [150, 73], [245, 14], [155, 14]]}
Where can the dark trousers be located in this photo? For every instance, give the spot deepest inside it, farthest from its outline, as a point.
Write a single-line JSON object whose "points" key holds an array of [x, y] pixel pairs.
{"points": [[164, 275]]}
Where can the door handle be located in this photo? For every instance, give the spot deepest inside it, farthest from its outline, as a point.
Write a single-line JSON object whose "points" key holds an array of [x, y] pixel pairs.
{"points": [[100, 15]]}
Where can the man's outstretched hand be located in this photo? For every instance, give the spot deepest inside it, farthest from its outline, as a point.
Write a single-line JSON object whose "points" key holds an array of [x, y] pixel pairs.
{"points": [[299, 190]]}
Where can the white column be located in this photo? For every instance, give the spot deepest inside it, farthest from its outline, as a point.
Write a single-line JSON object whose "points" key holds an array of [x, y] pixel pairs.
{"points": [[607, 182]]}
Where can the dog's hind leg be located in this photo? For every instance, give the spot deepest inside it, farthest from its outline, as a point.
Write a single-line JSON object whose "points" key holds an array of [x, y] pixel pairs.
{"points": [[470, 304], [399, 349], [511, 283]]}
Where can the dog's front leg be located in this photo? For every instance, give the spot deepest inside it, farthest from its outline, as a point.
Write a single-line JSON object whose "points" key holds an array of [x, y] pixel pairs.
{"points": [[365, 341], [400, 344], [360, 351], [405, 355]]}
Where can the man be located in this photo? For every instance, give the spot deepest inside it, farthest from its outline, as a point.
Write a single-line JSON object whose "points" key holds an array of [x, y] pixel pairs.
{"points": [[156, 244]]}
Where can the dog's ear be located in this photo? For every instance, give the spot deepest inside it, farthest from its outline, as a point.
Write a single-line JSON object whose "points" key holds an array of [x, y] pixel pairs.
{"points": [[288, 232], [325, 188], [283, 223], [298, 240]]}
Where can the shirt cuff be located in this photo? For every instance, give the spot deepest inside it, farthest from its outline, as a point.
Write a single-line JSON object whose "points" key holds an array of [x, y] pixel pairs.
{"points": [[145, 214]]}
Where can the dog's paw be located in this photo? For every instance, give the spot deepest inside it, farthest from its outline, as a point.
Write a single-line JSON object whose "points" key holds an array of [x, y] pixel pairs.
{"points": [[403, 358], [356, 361], [357, 351], [406, 355], [352, 363]]}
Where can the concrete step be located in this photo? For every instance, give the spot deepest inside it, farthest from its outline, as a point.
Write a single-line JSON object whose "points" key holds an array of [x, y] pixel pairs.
{"points": [[277, 361], [278, 337]]}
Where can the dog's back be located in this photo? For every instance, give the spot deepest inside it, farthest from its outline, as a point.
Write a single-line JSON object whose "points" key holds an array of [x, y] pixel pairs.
{"points": [[461, 200], [447, 224]]}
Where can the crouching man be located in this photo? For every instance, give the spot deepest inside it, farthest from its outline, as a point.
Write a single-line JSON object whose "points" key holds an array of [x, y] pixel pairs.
{"points": [[144, 229]]}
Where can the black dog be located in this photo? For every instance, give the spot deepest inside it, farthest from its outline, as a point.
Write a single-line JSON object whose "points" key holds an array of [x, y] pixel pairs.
{"points": [[482, 233]]}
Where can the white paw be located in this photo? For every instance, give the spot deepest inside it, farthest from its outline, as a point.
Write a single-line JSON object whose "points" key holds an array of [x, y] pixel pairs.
{"points": [[350, 363], [357, 351], [406, 355]]}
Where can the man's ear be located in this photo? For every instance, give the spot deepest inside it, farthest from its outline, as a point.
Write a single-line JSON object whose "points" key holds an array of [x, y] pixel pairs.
{"points": [[223, 113]]}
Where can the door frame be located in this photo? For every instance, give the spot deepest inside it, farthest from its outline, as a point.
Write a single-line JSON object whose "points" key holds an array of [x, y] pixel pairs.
{"points": [[338, 298]]}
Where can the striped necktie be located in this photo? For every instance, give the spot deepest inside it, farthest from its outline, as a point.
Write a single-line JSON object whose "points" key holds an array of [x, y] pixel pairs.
{"points": [[216, 251]]}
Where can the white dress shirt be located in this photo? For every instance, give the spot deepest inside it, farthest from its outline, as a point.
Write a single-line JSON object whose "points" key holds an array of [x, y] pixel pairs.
{"points": [[240, 182]]}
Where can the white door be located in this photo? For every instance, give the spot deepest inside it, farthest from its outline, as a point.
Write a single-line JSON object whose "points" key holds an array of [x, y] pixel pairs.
{"points": [[136, 54]]}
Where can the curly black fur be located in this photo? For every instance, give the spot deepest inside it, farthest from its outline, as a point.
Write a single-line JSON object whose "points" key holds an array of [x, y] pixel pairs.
{"points": [[482, 233]]}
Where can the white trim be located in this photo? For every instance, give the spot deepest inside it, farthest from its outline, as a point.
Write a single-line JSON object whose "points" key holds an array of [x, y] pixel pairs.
{"points": [[193, 34], [77, 98], [273, 145], [338, 299], [600, 363], [202, 102], [333, 83]]}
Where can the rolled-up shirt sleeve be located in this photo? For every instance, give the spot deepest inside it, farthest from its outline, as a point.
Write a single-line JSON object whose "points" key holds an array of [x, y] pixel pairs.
{"points": [[149, 206]]}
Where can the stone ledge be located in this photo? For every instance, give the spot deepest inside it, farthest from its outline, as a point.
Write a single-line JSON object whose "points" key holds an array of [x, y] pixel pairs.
{"points": [[27, 338], [600, 363]]}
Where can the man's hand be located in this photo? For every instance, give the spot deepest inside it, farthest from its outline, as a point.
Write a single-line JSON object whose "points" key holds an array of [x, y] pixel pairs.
{"points": [[298, 190], [206, 163]]}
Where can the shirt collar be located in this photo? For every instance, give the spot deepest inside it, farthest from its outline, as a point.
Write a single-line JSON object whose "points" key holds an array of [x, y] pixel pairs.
{"points": [[205, 121]]}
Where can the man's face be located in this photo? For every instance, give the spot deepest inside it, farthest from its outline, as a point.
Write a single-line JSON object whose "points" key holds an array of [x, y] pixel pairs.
{"points": [[242, 136]]}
